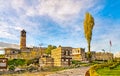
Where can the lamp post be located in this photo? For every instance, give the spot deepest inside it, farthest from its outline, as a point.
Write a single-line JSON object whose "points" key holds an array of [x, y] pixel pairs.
{"points": [[40, 61], [41, 53]]}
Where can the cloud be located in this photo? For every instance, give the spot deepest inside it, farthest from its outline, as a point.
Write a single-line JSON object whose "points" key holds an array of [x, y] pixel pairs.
{"points": [[60, 11], [57, 20], [6, 31], [63, 10], [8, 45], [104, 31]]}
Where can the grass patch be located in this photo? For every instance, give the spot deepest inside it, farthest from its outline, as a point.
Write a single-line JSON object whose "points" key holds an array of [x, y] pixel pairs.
{"points": [[106, 71]]}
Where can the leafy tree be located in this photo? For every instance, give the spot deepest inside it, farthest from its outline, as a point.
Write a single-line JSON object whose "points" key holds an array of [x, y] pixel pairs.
{"points": [[88, 27], [49, 48]]}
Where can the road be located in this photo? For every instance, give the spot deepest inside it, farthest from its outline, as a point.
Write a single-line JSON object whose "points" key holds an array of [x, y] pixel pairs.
{"points": [[71, 72]]}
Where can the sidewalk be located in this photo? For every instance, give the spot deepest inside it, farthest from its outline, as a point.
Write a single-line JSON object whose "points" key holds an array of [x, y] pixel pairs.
{"points": [[71, 72]]}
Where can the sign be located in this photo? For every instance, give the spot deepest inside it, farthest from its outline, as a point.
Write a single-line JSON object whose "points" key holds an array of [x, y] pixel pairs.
{"points": [[3, 63]]}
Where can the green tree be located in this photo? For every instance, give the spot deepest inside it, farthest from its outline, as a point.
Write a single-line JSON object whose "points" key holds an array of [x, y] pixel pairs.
{"points": [[88, 27], [49, 48]]}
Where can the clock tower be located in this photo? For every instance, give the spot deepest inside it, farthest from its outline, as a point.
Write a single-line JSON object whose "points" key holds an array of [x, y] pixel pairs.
{"points": [[23, 39]]}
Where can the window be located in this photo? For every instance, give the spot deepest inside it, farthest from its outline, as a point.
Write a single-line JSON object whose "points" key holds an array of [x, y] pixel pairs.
{"points": [[62, 59], [66, 59], [67, 52], [64, 52]]}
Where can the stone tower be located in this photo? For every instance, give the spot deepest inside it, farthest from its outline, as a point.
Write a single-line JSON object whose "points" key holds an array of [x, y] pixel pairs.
{"points": [[23, 39]]}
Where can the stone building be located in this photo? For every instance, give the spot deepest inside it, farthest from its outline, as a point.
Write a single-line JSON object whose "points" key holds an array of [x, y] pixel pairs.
{"points": [[62, 56], [46, 61], [24, 52], [12, 53], [78, 54], [103, 56], [117, 55], [28, 53]]}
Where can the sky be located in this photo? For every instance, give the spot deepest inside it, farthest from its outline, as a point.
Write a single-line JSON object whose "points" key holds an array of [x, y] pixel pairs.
{"points": [[60, 22]]}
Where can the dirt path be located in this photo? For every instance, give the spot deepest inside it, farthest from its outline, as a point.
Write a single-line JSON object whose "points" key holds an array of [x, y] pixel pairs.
{"points": [[71, 72]]}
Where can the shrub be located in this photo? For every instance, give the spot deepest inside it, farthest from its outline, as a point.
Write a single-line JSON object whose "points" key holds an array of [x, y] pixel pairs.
{"points": [[114, 65], [12, 68], [92, 70], [16, 62]]}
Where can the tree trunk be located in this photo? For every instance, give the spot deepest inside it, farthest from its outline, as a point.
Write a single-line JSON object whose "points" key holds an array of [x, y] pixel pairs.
{"points": [[88, 46], [89, 53]]}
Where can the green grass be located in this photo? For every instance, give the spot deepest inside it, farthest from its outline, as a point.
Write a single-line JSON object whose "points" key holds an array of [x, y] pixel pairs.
{"points": [[109, 72]]}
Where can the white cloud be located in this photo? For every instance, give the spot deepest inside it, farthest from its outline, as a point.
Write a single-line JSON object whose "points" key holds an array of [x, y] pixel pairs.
{"points": [[64, 12], [60, 11], [5, 31], [18, 6], [104, 31]]}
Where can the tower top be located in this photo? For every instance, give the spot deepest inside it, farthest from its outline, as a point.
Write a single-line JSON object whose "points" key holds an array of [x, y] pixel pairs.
{"points": [[23, 31]]}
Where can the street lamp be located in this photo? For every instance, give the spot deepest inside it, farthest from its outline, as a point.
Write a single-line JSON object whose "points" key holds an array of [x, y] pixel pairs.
{"points": [[41, 48]]}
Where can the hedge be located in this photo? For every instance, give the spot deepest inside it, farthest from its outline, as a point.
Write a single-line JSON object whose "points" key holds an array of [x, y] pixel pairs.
{"points": [[92, 70]]}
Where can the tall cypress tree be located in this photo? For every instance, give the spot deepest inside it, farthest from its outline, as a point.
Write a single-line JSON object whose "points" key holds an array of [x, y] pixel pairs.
{"points": [[88, 27]]}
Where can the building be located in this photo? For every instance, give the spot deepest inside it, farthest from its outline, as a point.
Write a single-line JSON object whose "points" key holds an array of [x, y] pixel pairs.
{"points": [[62, 56], [46, 61], [103, 56], [24, 52], [12, 53], [117, 55], [100, 55], [78, 54]]}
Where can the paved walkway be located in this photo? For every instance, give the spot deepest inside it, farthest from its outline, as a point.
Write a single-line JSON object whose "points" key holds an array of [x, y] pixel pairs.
{"points": [[71, 72]]}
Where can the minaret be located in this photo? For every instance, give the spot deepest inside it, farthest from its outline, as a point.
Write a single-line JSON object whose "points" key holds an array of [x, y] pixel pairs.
{"points": [[23, 39]]}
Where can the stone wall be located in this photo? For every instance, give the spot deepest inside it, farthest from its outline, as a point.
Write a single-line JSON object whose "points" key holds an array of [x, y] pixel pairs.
{"points": [[62, 56], [104, 56], [78, 54], [46, 61], [56, 55]]}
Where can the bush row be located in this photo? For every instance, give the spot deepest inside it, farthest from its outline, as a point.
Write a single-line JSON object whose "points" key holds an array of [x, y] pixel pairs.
{"points": [[92, 70], [114, 65]]}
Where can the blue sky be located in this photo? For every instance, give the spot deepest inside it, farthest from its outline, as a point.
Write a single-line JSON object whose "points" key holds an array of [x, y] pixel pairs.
{"points": [[60, 22]]}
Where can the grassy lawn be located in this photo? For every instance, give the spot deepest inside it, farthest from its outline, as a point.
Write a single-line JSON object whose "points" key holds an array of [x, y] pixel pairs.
{"points": [[109, 72]]}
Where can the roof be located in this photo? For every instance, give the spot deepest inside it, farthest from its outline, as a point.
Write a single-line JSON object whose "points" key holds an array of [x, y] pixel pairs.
{"points": [[11, 49], [23, 31]]}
